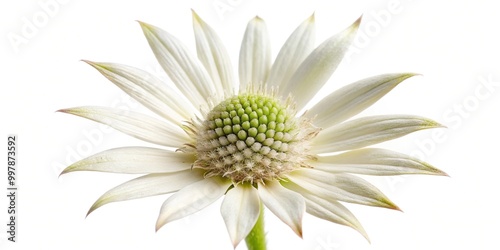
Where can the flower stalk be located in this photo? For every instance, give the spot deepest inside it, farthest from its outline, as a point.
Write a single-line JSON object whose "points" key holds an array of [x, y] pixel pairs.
{"points": [[256, 239]]}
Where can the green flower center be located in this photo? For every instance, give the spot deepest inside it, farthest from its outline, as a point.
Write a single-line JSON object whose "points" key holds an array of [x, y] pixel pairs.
{"points": [[248, 138]]}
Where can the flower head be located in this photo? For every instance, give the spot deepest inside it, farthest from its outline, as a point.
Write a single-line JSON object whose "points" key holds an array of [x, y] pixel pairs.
{"points": [[247, 142]]}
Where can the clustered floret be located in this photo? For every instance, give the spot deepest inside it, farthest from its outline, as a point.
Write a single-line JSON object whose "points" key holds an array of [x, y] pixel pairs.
{"points": [[248, 138]]}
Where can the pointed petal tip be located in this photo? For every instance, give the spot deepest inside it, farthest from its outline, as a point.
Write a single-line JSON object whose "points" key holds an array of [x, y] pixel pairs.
{"points": [[196, 17], [65, 171], [357, 22], [387, 203], [88, 61], [258, 19], [148, 29], [312, 18], [96, 65], [439, 172], [434, 124], [91, 63], [442, 173], [92, 209], [235, 244], [434, 171], [407, 75], [427, 123], [367, 238], [298, 230], [158, 226], [68, 110], [145, 26], [72, 111], [410, 74], [163, 219], [361, 231], [391, 205], [97, 204], [160, 222], [354, 27], [299, 233]]}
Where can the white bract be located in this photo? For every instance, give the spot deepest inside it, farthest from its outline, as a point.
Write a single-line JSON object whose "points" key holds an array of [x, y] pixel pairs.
{"points": [[245, 142]]}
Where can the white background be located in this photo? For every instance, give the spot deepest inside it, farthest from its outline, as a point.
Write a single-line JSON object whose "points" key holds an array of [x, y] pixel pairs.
{"points": [[453, 44]]}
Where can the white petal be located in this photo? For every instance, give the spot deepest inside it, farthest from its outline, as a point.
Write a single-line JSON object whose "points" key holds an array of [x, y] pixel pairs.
{"points": [[374, 161], [191, 199], [134, 160], [296, 48], [135, 124], [185, 70], [331, 210], [353, 98], [148, 90], [255, 54], [240, 210], [317, 68], [342, 187], [287, 205], [367, 131], [212, 53], [148, 185]]}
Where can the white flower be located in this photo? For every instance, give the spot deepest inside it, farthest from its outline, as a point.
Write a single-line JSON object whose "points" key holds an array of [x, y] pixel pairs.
{"points": [[245, 142]]}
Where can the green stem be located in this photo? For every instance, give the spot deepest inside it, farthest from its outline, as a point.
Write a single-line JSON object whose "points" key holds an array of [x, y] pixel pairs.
{"points": [[256, 239]]}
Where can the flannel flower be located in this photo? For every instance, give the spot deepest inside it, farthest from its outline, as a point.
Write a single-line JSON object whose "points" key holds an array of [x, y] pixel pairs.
{"points": [[247, 142]]}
